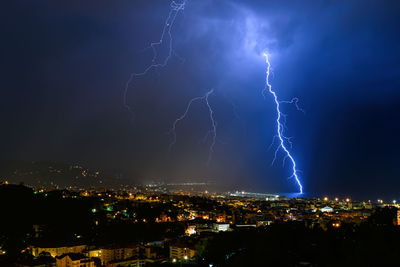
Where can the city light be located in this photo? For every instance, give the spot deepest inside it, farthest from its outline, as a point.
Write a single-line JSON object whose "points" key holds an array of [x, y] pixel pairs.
{"points": [[242, 207]]}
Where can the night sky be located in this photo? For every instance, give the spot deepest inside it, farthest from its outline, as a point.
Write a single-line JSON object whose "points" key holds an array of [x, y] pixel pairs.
{"points": [[64, 65]]}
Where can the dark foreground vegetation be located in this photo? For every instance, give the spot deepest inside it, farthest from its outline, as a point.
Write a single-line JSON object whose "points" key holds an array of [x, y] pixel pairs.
{"points": [[292, 244]]}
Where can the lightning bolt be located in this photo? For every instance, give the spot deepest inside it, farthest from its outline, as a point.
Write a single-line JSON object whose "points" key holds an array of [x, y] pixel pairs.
{"points": [[281, 125], [175, 9], [213, 127], [212, 132]]}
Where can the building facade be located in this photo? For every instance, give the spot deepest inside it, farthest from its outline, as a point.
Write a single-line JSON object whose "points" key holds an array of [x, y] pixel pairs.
{"points": [[74, 260], [181, 252]]}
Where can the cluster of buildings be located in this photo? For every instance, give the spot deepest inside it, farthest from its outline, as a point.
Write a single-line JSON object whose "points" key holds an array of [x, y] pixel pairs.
{"points": [[91, 256], [202, 215], [70, 255]]}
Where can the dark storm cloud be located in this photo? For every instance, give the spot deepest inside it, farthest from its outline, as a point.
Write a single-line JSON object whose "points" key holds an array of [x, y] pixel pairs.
{"points": [[64, 65]]}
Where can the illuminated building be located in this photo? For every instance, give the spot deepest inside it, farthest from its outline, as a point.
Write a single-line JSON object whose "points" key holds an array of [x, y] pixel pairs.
{"points": [[221, 227], [74, 260], [326, 209], [95, 253], [264, 223], [190, 230], [181, 252], [117, 253], [221, 218], [149, 252], [57, 251], [398, 217], [130, 262]]}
